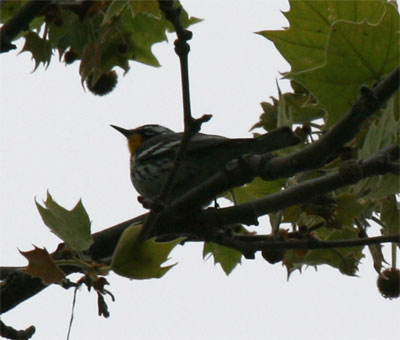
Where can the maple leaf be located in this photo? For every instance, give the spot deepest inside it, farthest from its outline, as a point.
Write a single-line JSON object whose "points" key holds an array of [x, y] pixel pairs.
{"points": [[42, 265]]}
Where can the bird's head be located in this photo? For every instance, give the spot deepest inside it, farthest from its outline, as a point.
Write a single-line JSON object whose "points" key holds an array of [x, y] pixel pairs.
{"points": [[141, 134]]}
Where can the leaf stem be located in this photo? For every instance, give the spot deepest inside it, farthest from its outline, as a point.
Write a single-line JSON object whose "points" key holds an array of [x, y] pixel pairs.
{"points": [[394, 255]]}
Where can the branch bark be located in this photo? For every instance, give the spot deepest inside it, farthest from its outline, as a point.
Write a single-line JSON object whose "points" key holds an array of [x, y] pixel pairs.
{"points": [[311, 157], [191, 125], [20, 22], [19, 286], [10, 333], [349, 174], [309, 243]]}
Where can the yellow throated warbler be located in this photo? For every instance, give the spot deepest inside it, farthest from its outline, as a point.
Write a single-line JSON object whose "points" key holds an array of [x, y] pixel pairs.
{"points": [[153, 149]]}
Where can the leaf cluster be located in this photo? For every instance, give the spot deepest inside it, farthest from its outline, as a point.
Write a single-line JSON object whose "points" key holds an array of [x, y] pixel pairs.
{"points": [[100, 35], [333, 48]]}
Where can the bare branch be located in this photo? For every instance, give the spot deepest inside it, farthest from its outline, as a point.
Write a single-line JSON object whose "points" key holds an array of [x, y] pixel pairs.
{"points": [[192, 126]]}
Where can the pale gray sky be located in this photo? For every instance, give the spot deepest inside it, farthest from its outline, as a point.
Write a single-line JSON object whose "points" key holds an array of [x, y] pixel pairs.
{"points": [[56, 136]]}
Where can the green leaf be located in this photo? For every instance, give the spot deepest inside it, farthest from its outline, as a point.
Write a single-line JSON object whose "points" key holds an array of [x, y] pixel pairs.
{"points": [[346, 260], [186, 20], [256, 189], [382, 186], [40, 48], [141, 33], [285, 117], [303, 44], [73, 34], [269, 118], [390, 215], [9, 8], [72, 226], [377, 256], [348, 209], [357, 53], [296, 106], [141, 260], [334, 47], [102, 34], [291, 214], [115, 8], [149, 7], [300, 110], [228, 258], [381, 133]]}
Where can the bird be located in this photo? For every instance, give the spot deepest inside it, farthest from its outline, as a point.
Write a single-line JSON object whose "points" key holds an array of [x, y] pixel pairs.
{"points": [[153, 149]]}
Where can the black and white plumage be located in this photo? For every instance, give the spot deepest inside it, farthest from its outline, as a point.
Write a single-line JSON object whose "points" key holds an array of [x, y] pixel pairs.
{"points": [[153, 150]]}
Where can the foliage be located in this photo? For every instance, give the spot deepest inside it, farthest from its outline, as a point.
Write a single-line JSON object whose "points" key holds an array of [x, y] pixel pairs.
{"points": [[102, 35], [333, 47], [140, 260], [345, 259], [228, 258], [42, 265], [73, 227]]}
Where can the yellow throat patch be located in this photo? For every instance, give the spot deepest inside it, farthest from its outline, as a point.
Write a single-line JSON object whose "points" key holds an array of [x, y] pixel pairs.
{"points": [[134, 141]]}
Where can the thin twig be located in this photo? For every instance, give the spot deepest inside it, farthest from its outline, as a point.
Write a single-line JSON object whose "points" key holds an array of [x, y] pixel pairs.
{"points": [[378, 221], [310, 157], [191, 125]]}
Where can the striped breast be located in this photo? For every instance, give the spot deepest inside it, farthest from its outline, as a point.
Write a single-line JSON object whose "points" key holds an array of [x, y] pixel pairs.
{"points": [[151, 164]]}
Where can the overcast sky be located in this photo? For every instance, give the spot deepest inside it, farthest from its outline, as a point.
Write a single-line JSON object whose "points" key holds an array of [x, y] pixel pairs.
{"points": [[56, 137]]}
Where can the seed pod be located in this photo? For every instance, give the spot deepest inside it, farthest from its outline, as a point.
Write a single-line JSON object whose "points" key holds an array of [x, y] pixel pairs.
{"points": [[389, 283], [104, 85], [273, 255]]}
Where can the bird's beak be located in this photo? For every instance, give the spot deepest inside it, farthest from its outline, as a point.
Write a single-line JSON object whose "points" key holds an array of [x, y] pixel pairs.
{"points": [[125, 132]]}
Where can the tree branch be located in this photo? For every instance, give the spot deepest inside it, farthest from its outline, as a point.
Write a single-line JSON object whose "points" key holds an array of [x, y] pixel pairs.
{"points": [[191, 125], [316, 154], [182, 49], [311, 157], [10, 333], [247, 247], [20, 286], [350, 173], [247, 213], [20, 22]]}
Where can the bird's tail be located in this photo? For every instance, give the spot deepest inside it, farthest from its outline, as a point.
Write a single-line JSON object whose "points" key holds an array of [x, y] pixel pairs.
{"points": [[275, 140]]}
